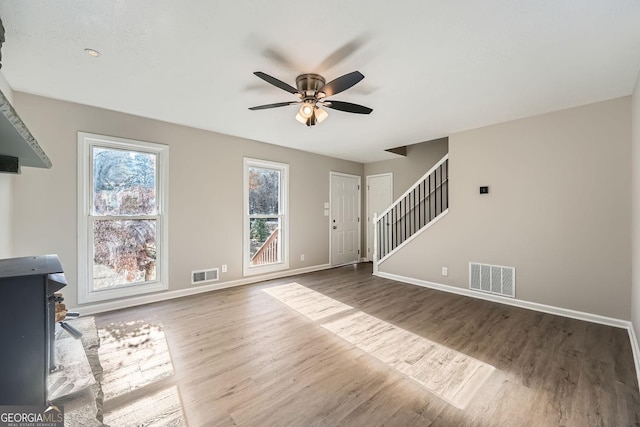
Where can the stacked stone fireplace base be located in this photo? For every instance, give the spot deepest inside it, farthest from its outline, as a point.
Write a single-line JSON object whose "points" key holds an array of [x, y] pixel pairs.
{"points": [[76, 383]]}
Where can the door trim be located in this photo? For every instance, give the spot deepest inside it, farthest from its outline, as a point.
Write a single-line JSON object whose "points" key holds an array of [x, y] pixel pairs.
{"points": [[331, 175], [369, 214]]}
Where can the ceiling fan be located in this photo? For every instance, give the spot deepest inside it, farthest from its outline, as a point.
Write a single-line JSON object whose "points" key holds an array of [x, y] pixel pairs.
{"points": [[313, 92]]}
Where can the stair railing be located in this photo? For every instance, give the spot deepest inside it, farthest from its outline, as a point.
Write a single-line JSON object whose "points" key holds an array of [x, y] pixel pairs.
{"points": [[422, 204]]}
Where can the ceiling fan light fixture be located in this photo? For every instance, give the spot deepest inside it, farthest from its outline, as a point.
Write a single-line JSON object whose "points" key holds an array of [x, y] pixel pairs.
{"points": [[301, 119], [321, 114], [306, 110], [312, 91]]}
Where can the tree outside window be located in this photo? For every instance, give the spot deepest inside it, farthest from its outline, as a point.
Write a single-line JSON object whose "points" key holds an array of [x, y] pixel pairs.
{"points": [[124, 189]]}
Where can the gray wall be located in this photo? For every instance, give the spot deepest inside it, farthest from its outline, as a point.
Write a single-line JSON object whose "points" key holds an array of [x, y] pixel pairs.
{"points": [[558, 210], [205, 190], [635, 212], [407, 170]]}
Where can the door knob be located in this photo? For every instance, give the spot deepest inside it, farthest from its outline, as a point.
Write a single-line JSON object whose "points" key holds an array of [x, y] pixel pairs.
{"points": [[335, 227]]}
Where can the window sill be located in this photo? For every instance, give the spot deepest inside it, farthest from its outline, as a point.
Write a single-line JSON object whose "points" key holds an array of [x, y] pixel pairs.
{"points": [[122, 292], [271, 268]]}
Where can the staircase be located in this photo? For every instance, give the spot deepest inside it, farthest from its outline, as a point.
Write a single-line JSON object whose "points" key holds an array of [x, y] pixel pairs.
{"points": [[419, 207]]}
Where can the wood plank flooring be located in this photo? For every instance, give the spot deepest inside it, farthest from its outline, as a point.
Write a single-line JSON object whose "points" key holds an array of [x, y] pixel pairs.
{"points": [[243, 357]]}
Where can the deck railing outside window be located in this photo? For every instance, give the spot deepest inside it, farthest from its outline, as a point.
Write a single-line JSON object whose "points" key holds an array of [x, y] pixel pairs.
{"points": [[268, 252]]}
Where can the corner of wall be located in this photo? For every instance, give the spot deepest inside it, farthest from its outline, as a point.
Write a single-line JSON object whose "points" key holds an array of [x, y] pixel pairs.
{"points": [[635, 219]]}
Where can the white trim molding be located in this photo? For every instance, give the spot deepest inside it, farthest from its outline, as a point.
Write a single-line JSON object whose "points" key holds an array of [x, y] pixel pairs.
{"points": [[574, 314], [86, 144], [282, 216], [147, 299]]}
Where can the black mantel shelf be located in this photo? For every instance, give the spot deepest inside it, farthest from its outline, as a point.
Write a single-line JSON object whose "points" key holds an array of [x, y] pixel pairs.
{"points": [[16, 141]]}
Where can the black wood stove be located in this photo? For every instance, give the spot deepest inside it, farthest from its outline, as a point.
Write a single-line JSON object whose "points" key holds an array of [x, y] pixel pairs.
{"points": [[27, 327]]}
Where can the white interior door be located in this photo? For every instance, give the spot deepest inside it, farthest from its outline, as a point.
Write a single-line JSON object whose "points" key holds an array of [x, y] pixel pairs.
{"points": [[345, 218], [379, 198]]}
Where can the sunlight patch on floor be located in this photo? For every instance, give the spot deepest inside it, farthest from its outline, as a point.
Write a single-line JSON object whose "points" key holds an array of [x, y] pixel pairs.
{"points": [[160, 409], [449, 374], [309, 303], [135, 357]]}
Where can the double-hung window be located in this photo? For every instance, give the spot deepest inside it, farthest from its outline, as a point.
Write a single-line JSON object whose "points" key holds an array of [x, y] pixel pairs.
{"points": [[122, 217], [266, 218]]}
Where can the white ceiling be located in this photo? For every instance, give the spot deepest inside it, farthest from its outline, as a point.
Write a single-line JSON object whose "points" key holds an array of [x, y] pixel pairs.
{"points": [[432, 67]]}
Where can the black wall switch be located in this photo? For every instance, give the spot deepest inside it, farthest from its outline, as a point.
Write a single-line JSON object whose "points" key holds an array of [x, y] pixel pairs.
{"points": [[484, 190]]}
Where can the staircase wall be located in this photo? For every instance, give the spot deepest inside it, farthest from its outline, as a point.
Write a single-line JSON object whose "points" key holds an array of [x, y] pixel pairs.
{"points": [[558, 210], [407, 170]]}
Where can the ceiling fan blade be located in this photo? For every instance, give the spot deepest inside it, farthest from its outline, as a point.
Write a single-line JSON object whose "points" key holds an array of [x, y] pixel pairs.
{"points": [[277, 104], [342, 83], [348, 107], [342, 53], [277, 83]]}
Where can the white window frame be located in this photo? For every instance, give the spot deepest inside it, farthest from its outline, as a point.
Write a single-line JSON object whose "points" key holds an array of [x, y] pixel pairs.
{"points": [[86, 143], [283, 215]]}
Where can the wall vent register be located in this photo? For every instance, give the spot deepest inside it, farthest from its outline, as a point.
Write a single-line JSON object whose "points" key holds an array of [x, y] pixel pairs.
{"points": [[202, 276], [493, 279]]}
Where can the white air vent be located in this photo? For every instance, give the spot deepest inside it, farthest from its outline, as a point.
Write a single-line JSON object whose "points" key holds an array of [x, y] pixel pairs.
{"points": [[493, 279], [202, 276]]}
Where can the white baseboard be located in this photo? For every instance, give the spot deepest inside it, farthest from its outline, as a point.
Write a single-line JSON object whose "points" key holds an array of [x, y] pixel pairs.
{"points": [[146, 299], [580, 315], [565, 312]]}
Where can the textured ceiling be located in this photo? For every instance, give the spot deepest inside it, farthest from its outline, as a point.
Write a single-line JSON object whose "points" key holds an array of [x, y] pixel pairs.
{"points": [[432, 67]]}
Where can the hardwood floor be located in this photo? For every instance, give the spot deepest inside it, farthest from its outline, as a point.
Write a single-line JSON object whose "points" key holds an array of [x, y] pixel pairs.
{"points": [[247, 357]]}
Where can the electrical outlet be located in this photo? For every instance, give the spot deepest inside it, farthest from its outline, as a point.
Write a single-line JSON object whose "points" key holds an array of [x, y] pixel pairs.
{"points": [[224, 268], [445, 271], [302, 257]]}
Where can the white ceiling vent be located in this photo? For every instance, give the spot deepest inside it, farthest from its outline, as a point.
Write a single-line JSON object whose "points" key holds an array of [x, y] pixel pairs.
{"points": [[493, 279], [202, 276]]}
